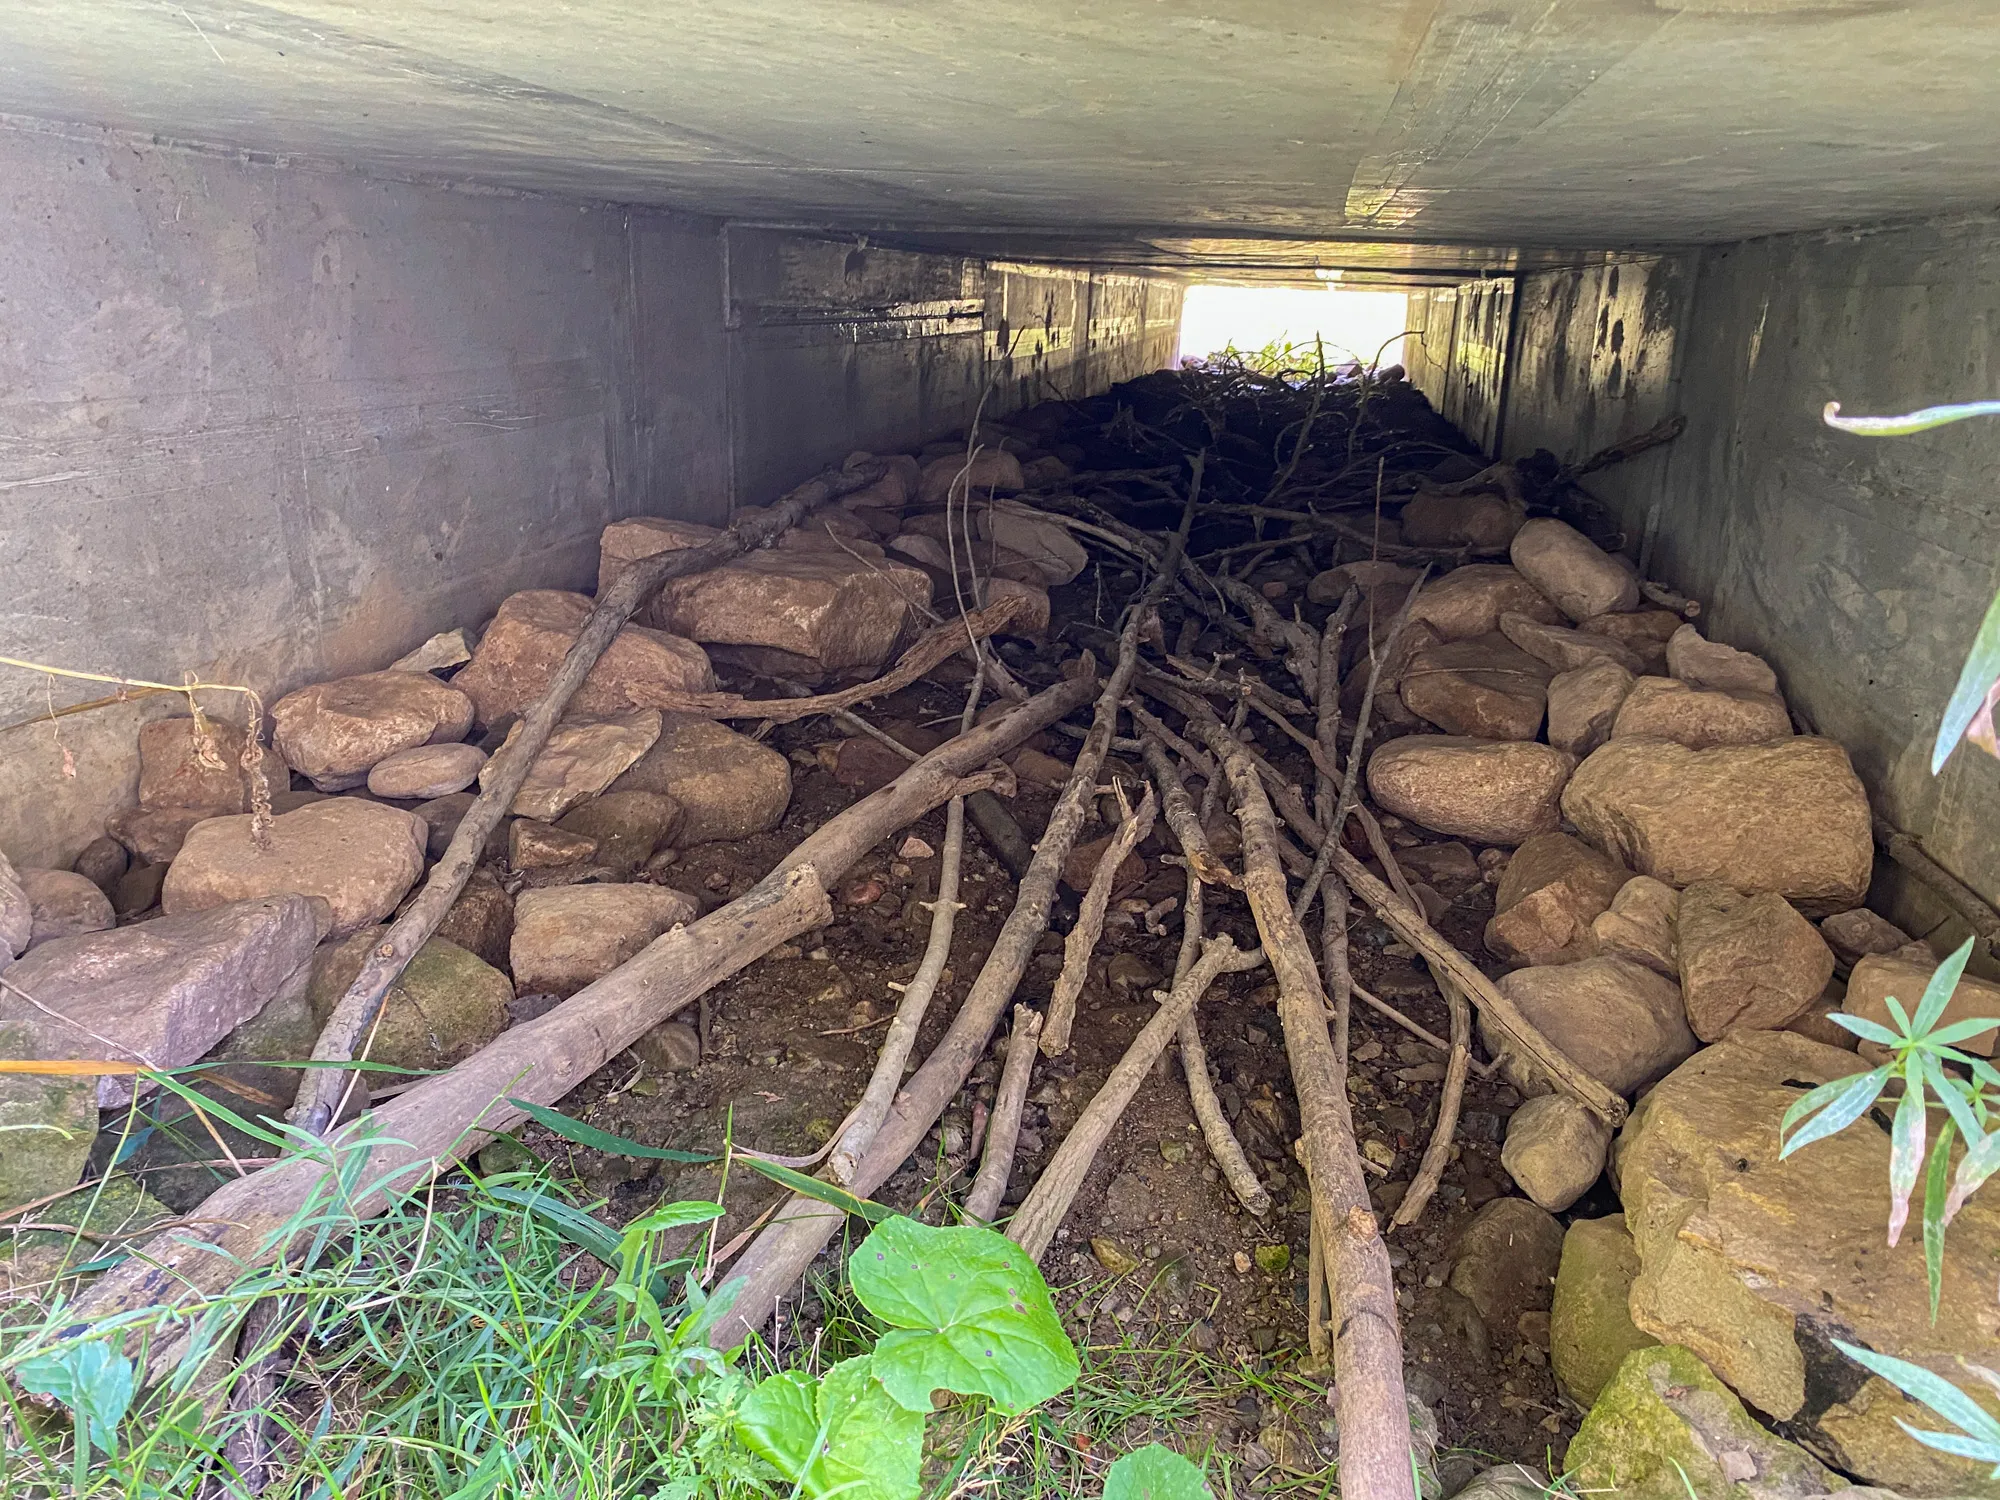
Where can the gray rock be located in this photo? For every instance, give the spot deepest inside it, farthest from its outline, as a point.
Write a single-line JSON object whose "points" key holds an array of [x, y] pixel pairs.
{"points": [[1555, 1150], [670, 1047], [17, 914], [1505, 1262], [103, 860], [567, 936], [65, 904]]}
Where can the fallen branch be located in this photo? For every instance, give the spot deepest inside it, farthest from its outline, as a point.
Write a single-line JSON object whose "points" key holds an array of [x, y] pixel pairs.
{"points": [[1624, 449], [1437, 1155], [321, 1088], [1422, 1033], [1082, 939], [1904, 849], [996, 1163], [1034, 1223], [1223, 1146], [1182, 819]]}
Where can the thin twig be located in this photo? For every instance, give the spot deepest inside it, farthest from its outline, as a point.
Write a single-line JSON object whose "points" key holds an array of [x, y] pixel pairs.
{"points": [[1082, 939], [996, 1163]]}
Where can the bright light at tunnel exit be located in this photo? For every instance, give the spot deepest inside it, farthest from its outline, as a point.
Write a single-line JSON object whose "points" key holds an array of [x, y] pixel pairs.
{"points": [[1353, 324]]}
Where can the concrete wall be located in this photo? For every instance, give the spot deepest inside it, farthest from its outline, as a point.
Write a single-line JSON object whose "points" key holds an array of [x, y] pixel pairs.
{"points": [[1457, 354], [1861, 567], [270, 425]]}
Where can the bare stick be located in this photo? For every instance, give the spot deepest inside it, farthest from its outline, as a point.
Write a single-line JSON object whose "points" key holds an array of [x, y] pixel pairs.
{"points": [[1082, 939], [1422, 1033], [996, 1163], [1034, 1224], [902, 1035], [1971, 907], [321, 1088], [1437, 1155], [1181, 817], [1222, 1143]]}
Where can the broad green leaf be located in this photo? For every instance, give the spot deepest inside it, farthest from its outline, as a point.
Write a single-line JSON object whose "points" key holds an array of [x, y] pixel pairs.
{"points": [[1155, 1472], [1936, 1174], [1867, 1030], [1937, 994], [970, 1314], [673, 1216], [1975, 680], [1845, 1099], [93, 1380], [841, 1436], [558, 1123], [1939, 1394], [813, 1187], [1906, 1152]]}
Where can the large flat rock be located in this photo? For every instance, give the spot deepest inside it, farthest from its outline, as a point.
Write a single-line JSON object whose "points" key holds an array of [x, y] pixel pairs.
{"points": [[531, 634], [360, 856]]}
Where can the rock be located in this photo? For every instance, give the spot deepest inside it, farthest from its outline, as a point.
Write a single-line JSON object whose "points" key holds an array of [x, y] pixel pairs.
{"points": [[861, 764], [448, 648], [118, 1210], [1553, 888], [17, 913], [625, 826], [1484, 687], [1853, 935], [1040, 768], [1880, 975], [1046, 546], [567, 936], [728, 785], [518, 656], [1389, 709], [1562, 649], [426, 771], [64, 904], [1486, 791], [1862, 1434], [361, 856], [1789, 816], [581, 760], [991, 471], [841, 608], [1441, 864], [1623, 1024], [1583, 705], [481, 920], [1702, 663], [445, 1007], [1816, 1023], [1505, 1261], [441, 816], [1756, 1263], [1747, 962], [1370, 576], [1031, 621], [179, 767], [1119, 1261], [1639, 926], [1700, 718], [138, 889], [1644, 631], [1044, 473], [154, 835], [333, 732], [103, 860], [535, 845], [1664, 1428], [1469, 601], [160, 992], [1082, 865], [670, 1047], [1572, 571], [1484, 522], [1505, 1482], [1590, 1323], [1555, 1150]]}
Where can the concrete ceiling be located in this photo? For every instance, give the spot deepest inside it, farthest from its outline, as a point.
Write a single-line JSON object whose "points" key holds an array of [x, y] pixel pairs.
{"points": [[1243, 133]]}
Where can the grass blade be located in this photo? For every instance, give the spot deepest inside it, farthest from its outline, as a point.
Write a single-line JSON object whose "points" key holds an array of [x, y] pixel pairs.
{"points": [[825, 1192], [571, 1129], [1944, 979]]}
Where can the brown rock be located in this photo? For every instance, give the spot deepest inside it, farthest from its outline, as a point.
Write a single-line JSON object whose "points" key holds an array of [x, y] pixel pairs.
{"points": [[1484, 522], [1855, 934], [1505, 1261], [1644, 631], [1668, 709], [1469, 601], [1389, 709], [626, 826], [1789, 816], [1491, 792], [103, 860], [1030, 621], [1371, 577], [426, 771], [138, 889], [568, 936], [333, 732], [1623, 1024], [535, 845], [1572, 570], [1041, 769], [1082, 864], [360, 856], [446, 1005], [991, 471], [1878, 976], [441, 816], [64, 904], [1561, 648], [862, 765], [1036, 539], [518, 656], [1442, 864], [481, 920], [581, 760], [1553, 888], [177, 768], [1555, 1150], [448, 648], [154, 835], [1748, 963], [1584, 704], [1484, 687], [1704, 663], [1639, 926], [1816, 1022], [728, 785]]}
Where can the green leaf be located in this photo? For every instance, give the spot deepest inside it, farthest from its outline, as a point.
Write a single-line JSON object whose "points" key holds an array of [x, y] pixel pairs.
{"points": [[1155, 1472], [1867, 1030], [573, 1224], [1939, 1394], [93, 1380], [1936, 1174], [1906, 1152], [1937, 994], [839, 1436], [970, 1314], [1845, 1099], [1975, 680], [673, 1216], [813, 1187], [558, 1123], [1978, 1164]]}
